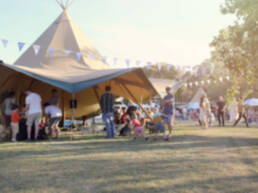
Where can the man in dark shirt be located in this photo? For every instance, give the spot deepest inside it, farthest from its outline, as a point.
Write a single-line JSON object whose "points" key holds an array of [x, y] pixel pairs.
{"points": [[106, 103], [221, 111], [168, 110]]}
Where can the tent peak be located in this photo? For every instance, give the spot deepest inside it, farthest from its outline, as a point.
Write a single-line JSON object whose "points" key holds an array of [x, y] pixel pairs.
{"points": [[64, 4]]}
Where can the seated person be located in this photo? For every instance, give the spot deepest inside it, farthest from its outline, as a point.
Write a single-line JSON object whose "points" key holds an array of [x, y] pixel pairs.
{"points": [[85, 125], [138, 127], [54, 114], [158, 124]]}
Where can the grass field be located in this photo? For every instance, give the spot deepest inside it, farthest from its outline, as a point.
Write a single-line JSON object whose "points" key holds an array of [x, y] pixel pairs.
{"points": [[213, 160]]}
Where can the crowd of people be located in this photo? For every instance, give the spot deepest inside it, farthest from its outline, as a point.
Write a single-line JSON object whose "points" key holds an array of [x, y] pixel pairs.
{"points": [[32, 113], [208, 113], [134, 119], [137, 119]]}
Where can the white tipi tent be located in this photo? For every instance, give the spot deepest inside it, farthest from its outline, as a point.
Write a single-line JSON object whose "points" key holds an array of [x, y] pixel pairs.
{"points": [[82, 80]]}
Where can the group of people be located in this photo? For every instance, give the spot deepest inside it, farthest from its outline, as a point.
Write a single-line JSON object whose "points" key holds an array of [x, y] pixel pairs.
{"points": [[136, 119], [133, 118], [206, 112], [32, 112]]}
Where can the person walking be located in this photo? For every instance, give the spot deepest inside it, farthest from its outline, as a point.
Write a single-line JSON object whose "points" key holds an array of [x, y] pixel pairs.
{"points": [[33, 107], [241, 112], [106, 104], [168, 111], [221, 111]]}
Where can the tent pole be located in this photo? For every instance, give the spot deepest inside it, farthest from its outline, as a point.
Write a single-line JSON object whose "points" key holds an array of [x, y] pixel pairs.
{"points": [[63, 107], [135, 100], [73, 98]]}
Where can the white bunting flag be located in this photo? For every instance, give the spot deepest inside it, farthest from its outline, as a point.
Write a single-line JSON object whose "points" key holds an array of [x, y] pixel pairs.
{"points": [[186, 84], [91, 57], [78, 56], [127, 62], [5, 42], [67, 52], [168, 67], [138, 62], [208, 81], [228, 78], [21, 45], [203, 70], [51, 51], [115, 61], [36, 49], [159, 66], [149, 65], [104, 59], [196, 83], [221, 79], [202, 82]]}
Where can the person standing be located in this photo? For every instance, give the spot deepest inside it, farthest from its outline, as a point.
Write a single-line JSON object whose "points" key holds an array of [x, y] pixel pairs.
{"points": [[33, 107], [15, 118], [106, 104], [203, 113], [241, 112], [168, 110], [8, 104], [221, 111]]}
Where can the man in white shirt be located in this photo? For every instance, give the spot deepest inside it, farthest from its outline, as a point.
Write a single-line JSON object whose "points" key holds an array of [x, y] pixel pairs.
{"points": [[55, 114], [8, 103], [33, 108]]}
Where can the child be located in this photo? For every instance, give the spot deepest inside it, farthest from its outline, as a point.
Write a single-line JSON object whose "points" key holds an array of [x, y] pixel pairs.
{"points": [[158, 125], [85, 125], [15, 118], [139, 128]]}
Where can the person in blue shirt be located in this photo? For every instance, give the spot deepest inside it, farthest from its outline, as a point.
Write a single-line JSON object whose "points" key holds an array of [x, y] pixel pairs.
{"points": [[168, 111], [107, 103]]}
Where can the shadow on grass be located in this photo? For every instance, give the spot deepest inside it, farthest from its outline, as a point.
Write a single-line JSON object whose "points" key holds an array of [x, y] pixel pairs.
{"points": [[93, 145]]}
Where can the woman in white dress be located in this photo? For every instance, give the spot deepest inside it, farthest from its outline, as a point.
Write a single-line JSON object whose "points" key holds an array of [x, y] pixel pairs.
{"points": [[204, 113]]}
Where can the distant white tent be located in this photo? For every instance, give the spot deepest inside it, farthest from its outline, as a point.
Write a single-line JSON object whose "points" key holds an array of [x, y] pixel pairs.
{"points": [[54, 63], [195, 101]]}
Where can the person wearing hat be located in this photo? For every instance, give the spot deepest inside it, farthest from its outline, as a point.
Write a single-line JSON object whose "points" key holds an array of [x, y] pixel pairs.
{"points": [[168, 110]]}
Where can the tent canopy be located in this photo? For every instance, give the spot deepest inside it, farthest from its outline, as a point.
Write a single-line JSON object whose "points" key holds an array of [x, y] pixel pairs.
{"points": [[83, 79]]}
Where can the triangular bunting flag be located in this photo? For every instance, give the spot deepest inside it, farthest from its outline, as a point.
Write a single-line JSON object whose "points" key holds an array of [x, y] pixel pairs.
{"points": [[21, 45], [127, 62], [36, 49], [227, 77], [104, 59], [51, 51], [115, 61], [5, 42], [78, 56], [67, 52], [91, 57], [159, 66], [168, 67], [138, 62], [149, 65]]}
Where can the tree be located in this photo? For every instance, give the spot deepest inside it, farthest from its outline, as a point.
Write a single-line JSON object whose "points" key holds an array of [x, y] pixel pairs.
{"points": [[235, 47]]}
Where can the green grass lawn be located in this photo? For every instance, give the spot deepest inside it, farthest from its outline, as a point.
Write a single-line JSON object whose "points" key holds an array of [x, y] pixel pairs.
{"points": [[196, 160]]}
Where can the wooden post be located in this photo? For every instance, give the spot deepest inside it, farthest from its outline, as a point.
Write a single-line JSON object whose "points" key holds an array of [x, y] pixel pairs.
{"points": [[73, 98], [135, 100]]}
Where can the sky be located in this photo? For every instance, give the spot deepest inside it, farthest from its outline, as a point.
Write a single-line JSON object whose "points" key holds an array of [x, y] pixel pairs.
{"points": [[177, 32]]}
